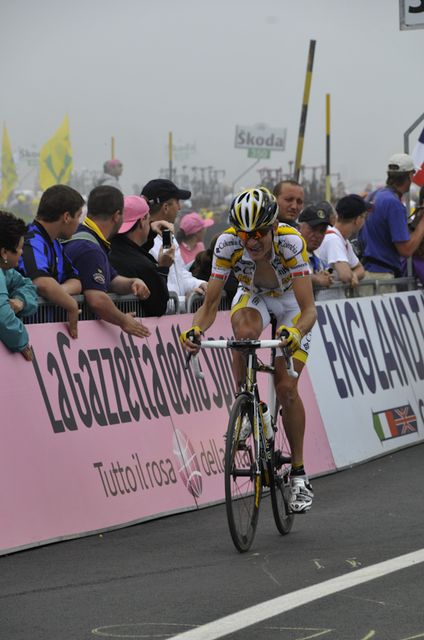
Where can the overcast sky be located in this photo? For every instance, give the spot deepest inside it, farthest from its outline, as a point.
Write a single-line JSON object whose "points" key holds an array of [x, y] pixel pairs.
{"points": [[137, 69]]}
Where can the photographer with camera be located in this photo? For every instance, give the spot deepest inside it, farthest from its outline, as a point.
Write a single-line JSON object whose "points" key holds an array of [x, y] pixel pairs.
{"points": [[163, 198]]}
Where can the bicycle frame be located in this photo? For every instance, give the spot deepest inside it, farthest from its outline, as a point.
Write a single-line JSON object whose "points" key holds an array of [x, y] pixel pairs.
{"points": [[250, 464]]}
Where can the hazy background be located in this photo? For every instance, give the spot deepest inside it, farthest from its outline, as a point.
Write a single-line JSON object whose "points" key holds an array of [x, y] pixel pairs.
{"points": [[137, 69]]}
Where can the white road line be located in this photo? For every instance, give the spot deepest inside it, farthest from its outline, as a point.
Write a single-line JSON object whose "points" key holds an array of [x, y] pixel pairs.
{"points": [[247, 617]]}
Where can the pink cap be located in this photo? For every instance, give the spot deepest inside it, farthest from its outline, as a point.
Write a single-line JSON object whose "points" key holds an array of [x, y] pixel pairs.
{"points": [[192, 223], [114, 163], [135, 208]]}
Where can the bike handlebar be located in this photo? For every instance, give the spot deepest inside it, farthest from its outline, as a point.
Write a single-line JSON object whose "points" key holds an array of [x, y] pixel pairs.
{"points": [[241, 345]]}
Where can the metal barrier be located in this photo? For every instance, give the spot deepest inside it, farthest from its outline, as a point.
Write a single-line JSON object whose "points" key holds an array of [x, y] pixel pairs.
{"points": [[48, 312], [408, 283], [195, 301]]}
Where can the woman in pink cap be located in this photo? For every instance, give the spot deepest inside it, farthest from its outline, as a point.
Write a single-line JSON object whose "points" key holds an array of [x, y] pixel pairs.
{"points": [[190, 235]]}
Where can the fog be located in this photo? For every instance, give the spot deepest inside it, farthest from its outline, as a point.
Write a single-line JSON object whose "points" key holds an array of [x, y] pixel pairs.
{"points": [[135, 70]]}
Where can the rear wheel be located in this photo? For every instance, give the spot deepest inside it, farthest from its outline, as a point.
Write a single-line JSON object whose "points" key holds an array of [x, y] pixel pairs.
{"points": [[280, 482], [243, 486]]}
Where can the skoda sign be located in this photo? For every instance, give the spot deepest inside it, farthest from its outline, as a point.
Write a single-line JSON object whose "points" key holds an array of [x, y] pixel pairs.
{"points": [[260, 136]]}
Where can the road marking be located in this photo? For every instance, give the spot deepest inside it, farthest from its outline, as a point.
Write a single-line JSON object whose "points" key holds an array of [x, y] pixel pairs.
{"points": [[248, 617]]}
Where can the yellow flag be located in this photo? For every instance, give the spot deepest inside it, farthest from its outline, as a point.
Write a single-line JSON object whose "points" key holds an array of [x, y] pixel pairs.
{"points": [[56, 158], [9, 177]]}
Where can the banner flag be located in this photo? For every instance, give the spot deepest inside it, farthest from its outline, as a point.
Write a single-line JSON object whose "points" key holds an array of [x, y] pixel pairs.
{"points": [[56, 158], [393, 423], [418, 158], [9, 177]]}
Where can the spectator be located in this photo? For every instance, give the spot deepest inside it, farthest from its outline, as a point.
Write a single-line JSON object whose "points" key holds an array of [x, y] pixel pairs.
{"points": [[112, 170], [18, 296], [336, 250], [89, 249], [202, 268], [164, 198], [130, 261], [43, 259], [290, 198], [313, 223], [385, 237], [191, 234]]}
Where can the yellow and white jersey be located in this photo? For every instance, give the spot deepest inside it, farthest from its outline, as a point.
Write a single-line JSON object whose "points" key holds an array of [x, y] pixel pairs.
{"points": [[289, 259]]}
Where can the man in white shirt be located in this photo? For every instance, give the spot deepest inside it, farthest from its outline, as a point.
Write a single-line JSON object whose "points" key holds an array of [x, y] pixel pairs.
{"points": [[163, 197], [337, 251]]}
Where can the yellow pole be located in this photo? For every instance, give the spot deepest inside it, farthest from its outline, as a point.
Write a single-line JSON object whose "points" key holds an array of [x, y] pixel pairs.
{"points": [[304, 112], [112, 141], [170, 153], [327, 149]]}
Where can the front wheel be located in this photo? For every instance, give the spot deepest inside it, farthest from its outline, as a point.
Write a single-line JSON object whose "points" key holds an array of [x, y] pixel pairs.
{"points": [[243, 485], [280, 480]]}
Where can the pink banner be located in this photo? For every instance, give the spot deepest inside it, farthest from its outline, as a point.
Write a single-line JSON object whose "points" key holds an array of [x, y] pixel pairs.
{"points": [[109, 429]]}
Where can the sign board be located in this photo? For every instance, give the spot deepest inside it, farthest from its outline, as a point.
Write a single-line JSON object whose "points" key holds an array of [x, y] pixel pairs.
{"points": [[411, 14], [260, 154], [260, 136]]}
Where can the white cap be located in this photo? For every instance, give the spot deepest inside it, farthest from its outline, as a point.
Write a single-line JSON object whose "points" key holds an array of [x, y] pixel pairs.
{"points": [[400, 163]]}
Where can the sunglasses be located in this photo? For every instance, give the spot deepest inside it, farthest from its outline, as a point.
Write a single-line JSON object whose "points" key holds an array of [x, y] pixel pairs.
{"points": [[257, 234]]}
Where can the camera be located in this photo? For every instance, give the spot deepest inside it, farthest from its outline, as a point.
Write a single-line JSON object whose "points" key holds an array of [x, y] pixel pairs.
{"points": [[166, 239]]}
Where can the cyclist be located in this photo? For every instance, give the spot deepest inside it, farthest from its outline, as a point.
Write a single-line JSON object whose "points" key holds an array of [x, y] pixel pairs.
{"points": [[270, 261]]}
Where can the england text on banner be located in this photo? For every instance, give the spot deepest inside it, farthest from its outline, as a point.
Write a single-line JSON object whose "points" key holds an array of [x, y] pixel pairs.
{"points": [[418, 158], [393, 423], [56, 158], [9, 177]]}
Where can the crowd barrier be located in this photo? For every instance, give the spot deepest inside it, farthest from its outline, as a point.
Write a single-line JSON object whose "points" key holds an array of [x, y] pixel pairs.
{"points": [[109, 430], [128, 303]]}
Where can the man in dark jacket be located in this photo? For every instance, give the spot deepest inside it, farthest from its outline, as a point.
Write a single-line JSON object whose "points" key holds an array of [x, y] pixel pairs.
{"points": [[130, 260]]}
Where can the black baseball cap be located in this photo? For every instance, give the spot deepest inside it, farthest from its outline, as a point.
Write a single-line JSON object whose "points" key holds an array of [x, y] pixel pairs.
{"points": [[161, 190], [352, 206], [315, 215]]}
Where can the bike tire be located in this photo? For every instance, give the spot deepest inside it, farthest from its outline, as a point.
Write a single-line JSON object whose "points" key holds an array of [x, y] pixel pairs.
{"points": [[243, 487], [280, 481]]}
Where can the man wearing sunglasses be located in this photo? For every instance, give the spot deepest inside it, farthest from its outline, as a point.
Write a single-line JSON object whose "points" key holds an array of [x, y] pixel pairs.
{"points": [[270, 261]]}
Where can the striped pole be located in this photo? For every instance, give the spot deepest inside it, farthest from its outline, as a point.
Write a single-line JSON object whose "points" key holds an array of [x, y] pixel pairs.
{"points": [[112, 146], [327, 149], [304, 112], [170, 153]]}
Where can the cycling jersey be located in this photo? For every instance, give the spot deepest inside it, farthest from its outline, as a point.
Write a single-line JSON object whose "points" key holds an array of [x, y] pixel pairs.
{"points": [[289, 259]]}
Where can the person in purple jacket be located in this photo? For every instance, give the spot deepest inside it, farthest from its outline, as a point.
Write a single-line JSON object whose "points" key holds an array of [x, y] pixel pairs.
{"points": [[385, 236]]}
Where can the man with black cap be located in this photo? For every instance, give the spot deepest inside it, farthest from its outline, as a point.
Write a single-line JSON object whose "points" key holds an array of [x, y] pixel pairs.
{"points": [[385, 237], [312, 224], [164, 197], [336, 250]]}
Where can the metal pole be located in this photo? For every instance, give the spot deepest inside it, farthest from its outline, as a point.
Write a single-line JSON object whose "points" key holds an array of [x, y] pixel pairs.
{"points": [[244, 173], [112, 146], [170, 153], [406, 150], [408, 131], [327, 149], [304, 112]]}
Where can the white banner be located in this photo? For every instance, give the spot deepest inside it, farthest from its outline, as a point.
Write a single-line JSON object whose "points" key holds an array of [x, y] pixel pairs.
{"points": [[367, 371]]}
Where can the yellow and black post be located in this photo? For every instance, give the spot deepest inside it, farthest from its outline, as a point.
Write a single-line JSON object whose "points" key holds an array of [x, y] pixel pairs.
{"points": [[327, 149], [304, 113], [170, 153]]}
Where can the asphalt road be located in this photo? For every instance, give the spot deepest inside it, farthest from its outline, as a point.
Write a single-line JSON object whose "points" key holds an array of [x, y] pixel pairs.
{"points": [[169, 576]]}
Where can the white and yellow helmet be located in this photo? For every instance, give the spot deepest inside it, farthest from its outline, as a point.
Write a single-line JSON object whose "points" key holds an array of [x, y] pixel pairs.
{"points": [[252, 209]]}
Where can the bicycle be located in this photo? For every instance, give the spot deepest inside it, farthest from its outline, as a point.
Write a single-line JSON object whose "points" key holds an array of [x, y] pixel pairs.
{"points": [[253, 462]]}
